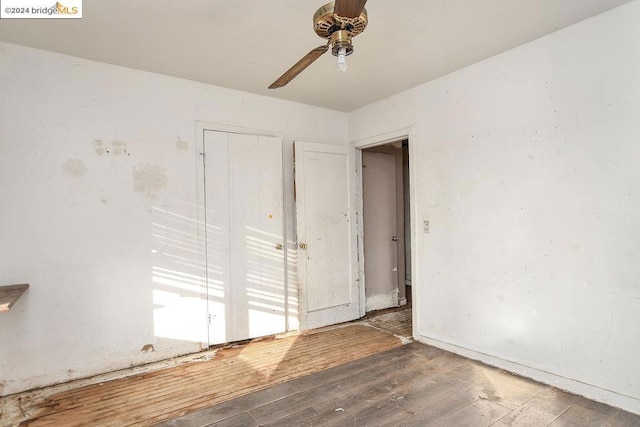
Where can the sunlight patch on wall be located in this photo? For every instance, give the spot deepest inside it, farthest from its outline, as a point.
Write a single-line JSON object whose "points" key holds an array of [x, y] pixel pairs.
{"points": [[179, 298], [178, 317]]}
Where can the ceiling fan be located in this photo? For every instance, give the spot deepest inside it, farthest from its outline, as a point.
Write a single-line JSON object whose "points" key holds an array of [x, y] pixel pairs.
{"points": [[338, 22]]}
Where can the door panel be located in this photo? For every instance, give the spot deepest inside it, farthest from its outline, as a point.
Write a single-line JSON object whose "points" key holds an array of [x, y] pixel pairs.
{"points": [[217, 235], [249, 183], [380, 229], [265, 279], [329, 290]]}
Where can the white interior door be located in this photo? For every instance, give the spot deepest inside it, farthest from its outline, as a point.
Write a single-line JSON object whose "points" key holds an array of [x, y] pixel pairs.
{"points": [[327, 269], [380, 230], [245, 227]]}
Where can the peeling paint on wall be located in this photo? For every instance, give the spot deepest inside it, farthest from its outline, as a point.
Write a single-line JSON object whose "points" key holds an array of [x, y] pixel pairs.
{"points": [[182, 145], [117, 147], [75, 168], [98, 145], [147, 348], [150, 179]]}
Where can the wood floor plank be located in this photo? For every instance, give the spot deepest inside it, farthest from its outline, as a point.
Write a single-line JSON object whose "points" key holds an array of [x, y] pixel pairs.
{"points": [[586, 412], [399, 325], [480, 413], [372, 404], [540, 410], [332, 394], [497, 385], [625, 419], [384, 391], [375, 364], [231, 408], [300, 418], [423, 403], [240, 420]]}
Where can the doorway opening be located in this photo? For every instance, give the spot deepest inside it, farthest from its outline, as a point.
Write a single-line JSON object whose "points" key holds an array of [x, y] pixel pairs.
{"points": [[386, 226]]}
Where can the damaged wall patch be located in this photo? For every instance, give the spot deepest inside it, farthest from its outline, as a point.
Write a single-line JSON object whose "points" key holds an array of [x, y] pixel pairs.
{"points": [[182, 144], [117, 147], [98, 145], [74, 167], [150, 179], [147, 348]]}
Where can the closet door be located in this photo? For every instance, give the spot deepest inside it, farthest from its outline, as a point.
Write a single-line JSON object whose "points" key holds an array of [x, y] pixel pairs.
{"points": [[245, 227], [326, 231]]}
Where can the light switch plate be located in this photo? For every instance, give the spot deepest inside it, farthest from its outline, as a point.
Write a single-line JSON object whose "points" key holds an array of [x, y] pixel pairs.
{"points": [[426, 226]]}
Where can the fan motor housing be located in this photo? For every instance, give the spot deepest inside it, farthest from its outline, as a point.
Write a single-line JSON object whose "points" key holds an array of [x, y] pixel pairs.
{"points": [[340, 39], [326, 22]]}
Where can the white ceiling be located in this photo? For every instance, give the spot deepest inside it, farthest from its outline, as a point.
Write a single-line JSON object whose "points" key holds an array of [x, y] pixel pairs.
{"points": [[247, 44]]}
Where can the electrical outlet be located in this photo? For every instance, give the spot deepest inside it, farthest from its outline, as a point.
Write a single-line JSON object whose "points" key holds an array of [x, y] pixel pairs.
{"points": [[426, 226]]}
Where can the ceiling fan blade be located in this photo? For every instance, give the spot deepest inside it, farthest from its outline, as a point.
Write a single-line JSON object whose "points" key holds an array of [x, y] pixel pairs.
{"points": [[349, 8], [299, 66]]}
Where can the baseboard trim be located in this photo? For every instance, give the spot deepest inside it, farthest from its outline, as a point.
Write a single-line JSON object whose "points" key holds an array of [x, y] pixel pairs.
{"points": [[622, 401]]}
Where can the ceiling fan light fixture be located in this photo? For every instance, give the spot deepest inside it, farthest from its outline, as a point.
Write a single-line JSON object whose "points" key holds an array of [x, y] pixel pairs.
{"points": [[337, 22], [341, 65]]}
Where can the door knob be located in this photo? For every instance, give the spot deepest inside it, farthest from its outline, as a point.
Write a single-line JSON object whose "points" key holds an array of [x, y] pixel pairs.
{"points": [[302, 246], [279, 246], [394, 238]]}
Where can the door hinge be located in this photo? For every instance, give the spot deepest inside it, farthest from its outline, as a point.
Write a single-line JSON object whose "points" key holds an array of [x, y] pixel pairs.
{"points": [[210, 318], [204, 158]]}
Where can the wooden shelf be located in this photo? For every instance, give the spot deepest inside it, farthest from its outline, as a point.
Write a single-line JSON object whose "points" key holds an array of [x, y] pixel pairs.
{"points": [[9, 295]]}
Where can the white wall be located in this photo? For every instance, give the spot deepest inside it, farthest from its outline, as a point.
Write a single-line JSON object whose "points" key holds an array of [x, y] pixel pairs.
{"points": [[528, 166], [99, 209]]}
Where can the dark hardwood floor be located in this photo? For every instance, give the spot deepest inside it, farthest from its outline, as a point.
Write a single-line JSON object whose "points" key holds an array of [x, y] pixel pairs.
{"points": [[410, 385]]}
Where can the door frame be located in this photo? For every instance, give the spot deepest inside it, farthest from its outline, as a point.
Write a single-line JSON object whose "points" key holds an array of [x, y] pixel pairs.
{"points": [[201, 128], [356, 148]]}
